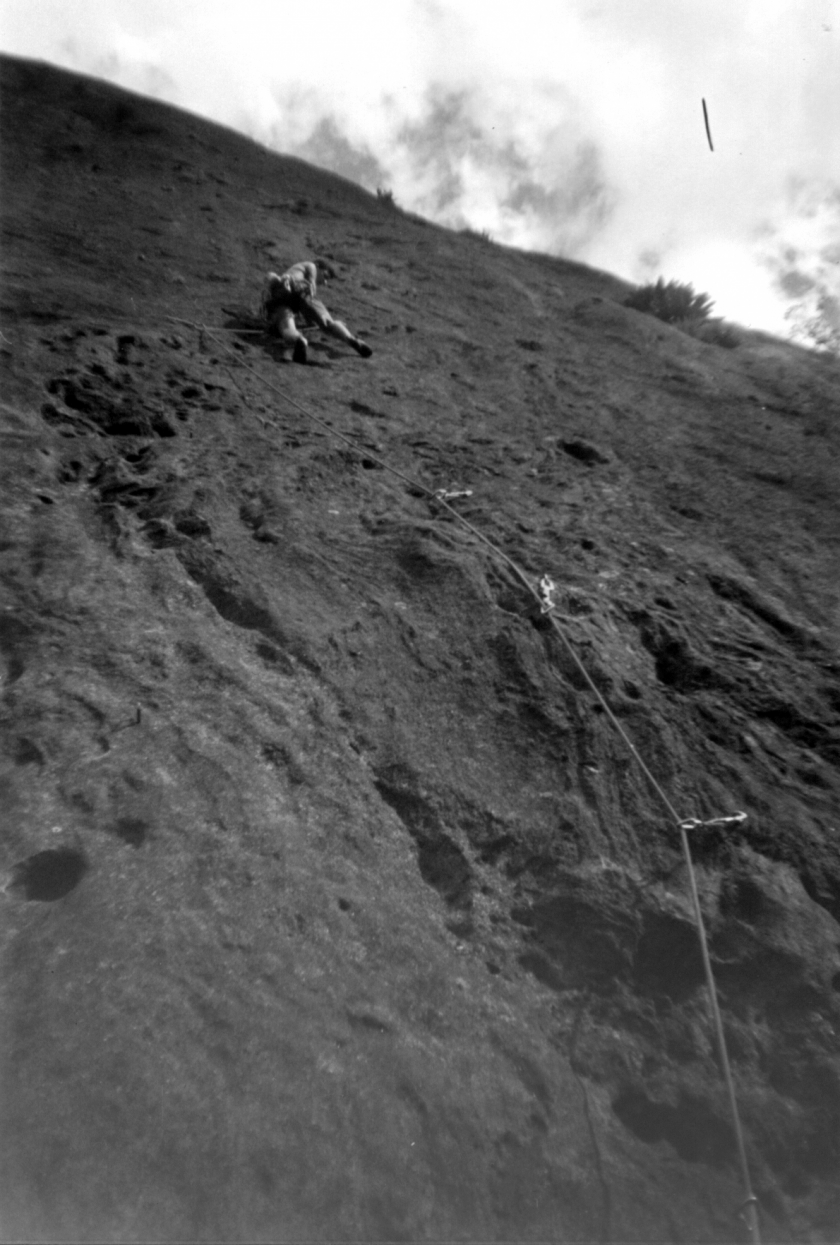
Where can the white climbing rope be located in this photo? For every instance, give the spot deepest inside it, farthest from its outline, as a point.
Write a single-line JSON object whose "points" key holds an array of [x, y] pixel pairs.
{"points": [[544, 592]]}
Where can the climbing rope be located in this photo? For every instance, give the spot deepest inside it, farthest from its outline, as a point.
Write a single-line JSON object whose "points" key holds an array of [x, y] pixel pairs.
{"points": [[543, 592]]}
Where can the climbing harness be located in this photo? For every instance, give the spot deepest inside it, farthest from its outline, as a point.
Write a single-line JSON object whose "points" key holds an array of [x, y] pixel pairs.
{"points": [[544, 592]]}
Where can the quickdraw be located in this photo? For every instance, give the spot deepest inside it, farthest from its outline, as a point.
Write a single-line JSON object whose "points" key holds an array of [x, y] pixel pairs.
{"points": [[443, 494], [546, 589], [694, 823]]}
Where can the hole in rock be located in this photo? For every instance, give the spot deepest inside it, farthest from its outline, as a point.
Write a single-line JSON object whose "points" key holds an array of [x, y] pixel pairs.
{"points": [[410, 808], [584, 451], [237, 608], [696, 1134], [49, 875], [492, 850], [27, 753], [444, 866], [677, 667], [441, 862], [748, 902], [132, 830], [274, 657], [362, 408], [70, 472], [540, 966], [667, 960], [366, 1020]]}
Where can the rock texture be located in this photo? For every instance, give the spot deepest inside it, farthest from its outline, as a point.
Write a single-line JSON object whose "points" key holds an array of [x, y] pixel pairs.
{"points": [[334, 908]]}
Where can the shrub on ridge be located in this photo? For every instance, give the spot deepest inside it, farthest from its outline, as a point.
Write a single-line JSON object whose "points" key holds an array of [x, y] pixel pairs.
{"points": [[671, 301]]}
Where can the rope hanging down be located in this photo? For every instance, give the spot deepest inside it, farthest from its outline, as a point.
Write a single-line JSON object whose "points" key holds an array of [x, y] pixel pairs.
{"points": [[543, 593]]}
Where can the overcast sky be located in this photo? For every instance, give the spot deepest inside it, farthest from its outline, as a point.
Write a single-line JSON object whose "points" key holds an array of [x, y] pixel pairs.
{"points": [[568, 126]]}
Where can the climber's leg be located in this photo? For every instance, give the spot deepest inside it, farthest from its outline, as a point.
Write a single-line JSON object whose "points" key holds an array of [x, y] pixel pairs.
{"points": [[315, 311], [284, 325]]}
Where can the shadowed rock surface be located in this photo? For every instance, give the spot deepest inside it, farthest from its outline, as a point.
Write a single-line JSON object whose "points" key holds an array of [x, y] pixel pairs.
{"points": [[334, 908]]}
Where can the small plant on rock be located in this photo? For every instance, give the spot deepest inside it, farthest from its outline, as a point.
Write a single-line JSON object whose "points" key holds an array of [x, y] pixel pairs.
{"points": [[386, 197], [483, 234], [672, 301]]}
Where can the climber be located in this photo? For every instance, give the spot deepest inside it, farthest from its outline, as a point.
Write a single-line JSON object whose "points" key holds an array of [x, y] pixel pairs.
{"points": [[292, 294]]}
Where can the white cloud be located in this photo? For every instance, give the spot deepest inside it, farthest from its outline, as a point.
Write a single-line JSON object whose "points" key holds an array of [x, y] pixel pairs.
{"points": [[568, 125]]}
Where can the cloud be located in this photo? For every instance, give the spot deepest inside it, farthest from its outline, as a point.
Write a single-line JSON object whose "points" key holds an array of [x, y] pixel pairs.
{"points": [[145, 77], [468, 157], [803, 259], [570, 126], [440, 146], [329, 148], [571, 209]]}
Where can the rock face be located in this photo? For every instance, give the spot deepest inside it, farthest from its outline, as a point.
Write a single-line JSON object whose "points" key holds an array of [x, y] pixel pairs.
{"points": [[335, 908]]}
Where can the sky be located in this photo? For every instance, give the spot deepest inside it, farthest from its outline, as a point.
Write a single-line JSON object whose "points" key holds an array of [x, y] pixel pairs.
{"points": [[573, 127]]}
